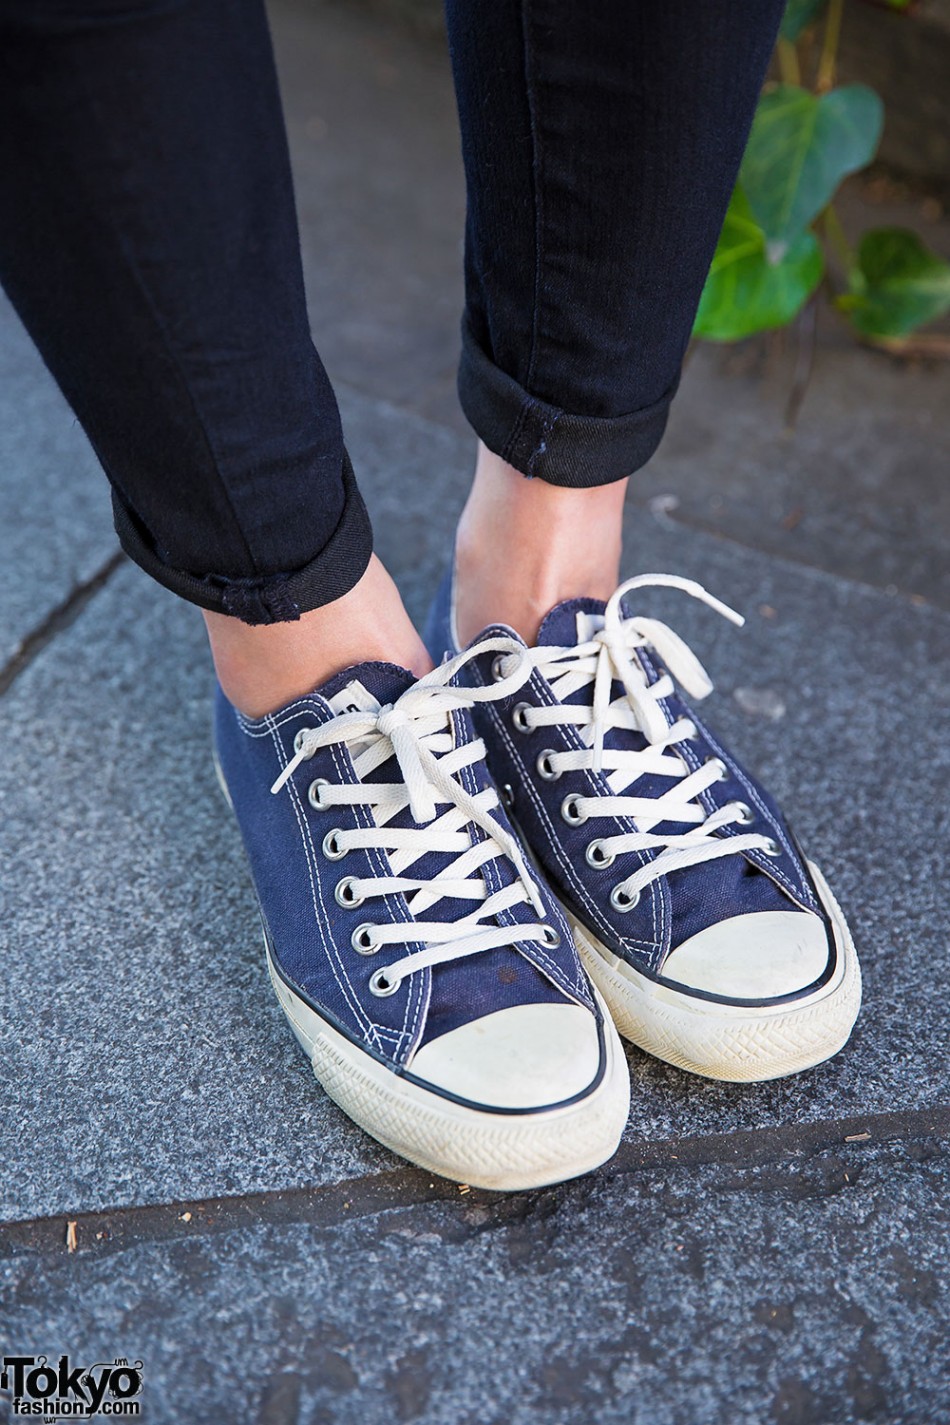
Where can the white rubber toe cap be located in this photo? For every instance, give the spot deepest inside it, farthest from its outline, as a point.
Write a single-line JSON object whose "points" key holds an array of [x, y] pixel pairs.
{"points": [[528, 1056], [753, 957]]}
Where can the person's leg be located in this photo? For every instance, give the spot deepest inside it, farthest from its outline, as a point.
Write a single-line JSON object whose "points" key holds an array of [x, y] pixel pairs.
{"points": [[601, 144], [262, 667], [148, 239], [524, 545]]}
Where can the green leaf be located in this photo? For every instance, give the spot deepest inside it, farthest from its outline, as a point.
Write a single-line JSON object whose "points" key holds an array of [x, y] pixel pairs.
{"points": [[899, 285], [749, 291], [799, 14], [800, 148]]}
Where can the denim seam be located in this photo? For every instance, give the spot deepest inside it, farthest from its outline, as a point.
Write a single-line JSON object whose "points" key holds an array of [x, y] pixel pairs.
{"points": [[138, 276], [508, 448], [327, 575], [537, 164], [547, 429]]}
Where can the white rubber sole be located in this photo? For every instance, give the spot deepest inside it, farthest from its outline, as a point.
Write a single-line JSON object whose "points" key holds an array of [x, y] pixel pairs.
{"points": [[504, 1152], [741, 1044]]}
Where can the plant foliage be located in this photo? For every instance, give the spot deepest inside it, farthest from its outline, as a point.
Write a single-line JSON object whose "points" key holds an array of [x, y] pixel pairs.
{"points": [[771, 255]]}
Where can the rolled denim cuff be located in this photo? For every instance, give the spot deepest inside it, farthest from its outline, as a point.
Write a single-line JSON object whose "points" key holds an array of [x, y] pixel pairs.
{"points": [[546, 442], [268, 598]]}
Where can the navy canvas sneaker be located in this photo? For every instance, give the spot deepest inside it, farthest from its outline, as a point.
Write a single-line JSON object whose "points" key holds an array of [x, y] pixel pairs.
{"points": [[715, 944], [427, 973]]}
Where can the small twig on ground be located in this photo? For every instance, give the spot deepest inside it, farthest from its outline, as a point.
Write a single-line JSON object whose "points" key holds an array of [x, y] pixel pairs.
{"points": [[806, 328]]}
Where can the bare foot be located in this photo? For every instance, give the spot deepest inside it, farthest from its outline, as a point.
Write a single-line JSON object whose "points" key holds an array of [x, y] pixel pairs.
{"points": [[261, 667]]}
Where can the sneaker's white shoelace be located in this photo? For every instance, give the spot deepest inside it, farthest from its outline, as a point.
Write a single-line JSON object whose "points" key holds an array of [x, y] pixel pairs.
{"points": [[417, 731], [607, 658]]}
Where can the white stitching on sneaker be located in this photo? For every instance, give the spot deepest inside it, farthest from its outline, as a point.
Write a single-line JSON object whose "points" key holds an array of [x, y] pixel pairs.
{"points": [[417, 731], [799, 893], [321, 918], [608, 657]]}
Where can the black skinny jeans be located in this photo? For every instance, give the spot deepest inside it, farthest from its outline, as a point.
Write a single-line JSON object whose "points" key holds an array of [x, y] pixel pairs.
{"points": [[148, 240]]}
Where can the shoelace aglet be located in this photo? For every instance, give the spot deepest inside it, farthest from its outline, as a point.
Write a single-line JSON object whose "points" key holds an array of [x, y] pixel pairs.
{"points": [[676, 581], [289, 770]]}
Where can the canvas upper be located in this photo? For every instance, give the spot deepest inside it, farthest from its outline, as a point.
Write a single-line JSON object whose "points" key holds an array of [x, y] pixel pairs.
{"points": [[746, 927], [374, 725]]}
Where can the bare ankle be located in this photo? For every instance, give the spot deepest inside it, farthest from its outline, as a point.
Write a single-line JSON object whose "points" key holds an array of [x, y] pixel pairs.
{"points": [[262, 667], [524, 545]]}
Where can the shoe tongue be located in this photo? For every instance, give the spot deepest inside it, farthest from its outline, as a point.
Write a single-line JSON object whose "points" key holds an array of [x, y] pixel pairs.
{"points": [[572, 622], [366, 687], [568, 624]]}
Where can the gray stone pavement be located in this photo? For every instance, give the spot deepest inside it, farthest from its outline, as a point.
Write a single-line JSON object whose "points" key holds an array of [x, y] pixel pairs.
{"points": [[755, 1253], [807, 1290]]}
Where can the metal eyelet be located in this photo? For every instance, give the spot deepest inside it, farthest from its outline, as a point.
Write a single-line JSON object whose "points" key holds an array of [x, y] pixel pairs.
{"points": [[622, 900], [313, 794], [744, 813], [596, 856], [331, 849], [298, 740], [381, 986], [518, 717], [496, 669], [345, 895], [552, 937], [507, 795], [570, 810], [771, 848], [720, 766], [362, 939], [544, 767]]}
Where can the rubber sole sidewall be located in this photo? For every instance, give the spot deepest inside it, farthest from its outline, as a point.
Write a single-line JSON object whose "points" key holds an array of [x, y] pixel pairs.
{"points": [[502, 1152], [718, 1041]]}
